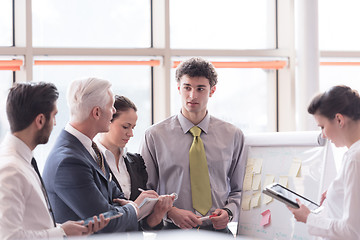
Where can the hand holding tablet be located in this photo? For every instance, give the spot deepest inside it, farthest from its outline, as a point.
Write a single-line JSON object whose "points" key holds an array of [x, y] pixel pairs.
{"points": [[289, 197]]}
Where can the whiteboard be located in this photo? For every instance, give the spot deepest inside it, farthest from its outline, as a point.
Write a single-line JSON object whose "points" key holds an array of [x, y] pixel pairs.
{"points": [[278, 151]]}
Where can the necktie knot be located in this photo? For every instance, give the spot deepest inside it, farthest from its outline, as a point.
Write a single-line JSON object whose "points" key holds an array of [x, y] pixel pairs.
{"points": [[195, 131]]}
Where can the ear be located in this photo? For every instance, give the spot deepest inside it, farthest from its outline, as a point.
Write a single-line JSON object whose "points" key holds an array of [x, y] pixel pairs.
{"points": [[212, 90], [96, 112], [178, 86], [340, 120], [40, 121]]}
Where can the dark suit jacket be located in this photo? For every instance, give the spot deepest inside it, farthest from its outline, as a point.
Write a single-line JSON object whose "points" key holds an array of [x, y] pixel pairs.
{"points": [[138, 176], [136, 168], [78, 189]]}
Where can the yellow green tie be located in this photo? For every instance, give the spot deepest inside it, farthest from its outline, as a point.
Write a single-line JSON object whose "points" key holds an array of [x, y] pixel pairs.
{"points": [[199, 174]]}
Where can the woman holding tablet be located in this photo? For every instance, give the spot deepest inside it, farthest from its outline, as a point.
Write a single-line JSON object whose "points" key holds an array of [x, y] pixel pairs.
{"points": [[128, 170], [337, 112]]}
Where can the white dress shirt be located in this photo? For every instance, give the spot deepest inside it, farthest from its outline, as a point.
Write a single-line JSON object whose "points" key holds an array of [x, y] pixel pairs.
{"points": [[121, 175], [342, 205], [85, 140], [23, 210]]}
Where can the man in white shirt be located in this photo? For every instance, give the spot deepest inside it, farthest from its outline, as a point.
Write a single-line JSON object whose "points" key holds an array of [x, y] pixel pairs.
{"points": [[24, 210]]}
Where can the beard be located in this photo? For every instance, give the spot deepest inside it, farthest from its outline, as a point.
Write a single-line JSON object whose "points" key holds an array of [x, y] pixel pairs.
{"points": [[44, 134]]}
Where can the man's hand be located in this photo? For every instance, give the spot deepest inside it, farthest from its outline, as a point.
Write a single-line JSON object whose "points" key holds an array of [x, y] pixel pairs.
{"points": [[221, 220], [163, 205], [97, 225], [120, 201], [183, 218], [72, 228], [301, 214]]}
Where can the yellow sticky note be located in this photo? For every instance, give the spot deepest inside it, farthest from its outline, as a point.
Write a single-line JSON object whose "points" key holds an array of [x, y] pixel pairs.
{"points": [[247, 182], [245, 204], [283, 180], [267, 199], [248, 178], [257, 166], [256, 182], [269, 179], [250, 161], [255, 200], [295, 168]]}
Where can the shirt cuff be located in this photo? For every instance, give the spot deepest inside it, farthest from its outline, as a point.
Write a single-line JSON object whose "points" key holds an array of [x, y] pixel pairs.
{"points": [[135, 206], [57, 232], [317, 221]]}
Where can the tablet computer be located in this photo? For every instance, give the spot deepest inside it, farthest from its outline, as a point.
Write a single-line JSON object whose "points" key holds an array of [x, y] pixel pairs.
{"points": [[109, 214], [289, 197]]}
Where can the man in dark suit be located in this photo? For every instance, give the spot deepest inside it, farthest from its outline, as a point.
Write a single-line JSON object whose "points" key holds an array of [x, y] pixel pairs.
{"points": [[76, 174]]}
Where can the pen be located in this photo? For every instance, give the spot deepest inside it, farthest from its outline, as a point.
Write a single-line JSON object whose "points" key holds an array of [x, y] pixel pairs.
{"points": [[207, 217]]}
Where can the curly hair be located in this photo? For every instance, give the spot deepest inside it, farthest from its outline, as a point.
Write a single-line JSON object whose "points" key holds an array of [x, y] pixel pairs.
{"points": [[197, 67]]}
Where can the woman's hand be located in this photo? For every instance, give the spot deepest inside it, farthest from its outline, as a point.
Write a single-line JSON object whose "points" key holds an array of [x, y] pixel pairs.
{"points": [[301, 214]]}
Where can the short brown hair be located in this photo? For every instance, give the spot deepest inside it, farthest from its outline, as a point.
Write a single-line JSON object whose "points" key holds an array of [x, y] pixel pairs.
{"points": [[27, 100], [197, 67]]}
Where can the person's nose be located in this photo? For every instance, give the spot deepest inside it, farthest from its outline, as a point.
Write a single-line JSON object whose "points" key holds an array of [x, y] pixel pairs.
{"points": [[323, 135], [130, 133], [192, 94]]}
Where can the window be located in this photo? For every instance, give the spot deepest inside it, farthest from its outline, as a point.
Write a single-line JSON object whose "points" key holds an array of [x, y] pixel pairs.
{"points": [[6, 81], [95, 23], [331, 75], [339, 36], [227, 24], [338, 25], [6, 22], [243, 97]]}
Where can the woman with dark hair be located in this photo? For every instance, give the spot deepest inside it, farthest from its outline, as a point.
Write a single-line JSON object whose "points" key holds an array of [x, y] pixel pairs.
{"points": [[128, 169], [337, 112]]}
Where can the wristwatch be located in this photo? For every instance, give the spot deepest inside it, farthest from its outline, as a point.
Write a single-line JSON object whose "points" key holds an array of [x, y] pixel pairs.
{"points": [[230, 214]]}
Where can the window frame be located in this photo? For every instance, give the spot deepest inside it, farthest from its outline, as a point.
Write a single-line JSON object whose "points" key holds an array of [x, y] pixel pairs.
{"points": [[284, 117]]}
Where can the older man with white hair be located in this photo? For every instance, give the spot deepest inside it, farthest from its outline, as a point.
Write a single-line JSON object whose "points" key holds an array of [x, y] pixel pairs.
{"points": [[76, 174]]}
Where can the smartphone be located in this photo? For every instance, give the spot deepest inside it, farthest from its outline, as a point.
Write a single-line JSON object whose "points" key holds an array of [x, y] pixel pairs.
{"points": [[289, 197], [109, 214]]}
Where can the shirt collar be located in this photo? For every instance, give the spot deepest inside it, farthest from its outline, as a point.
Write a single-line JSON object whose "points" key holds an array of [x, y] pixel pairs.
{"points": [[106, 151], [186, 124], [354, 146], [20, 147], [85, 140]]}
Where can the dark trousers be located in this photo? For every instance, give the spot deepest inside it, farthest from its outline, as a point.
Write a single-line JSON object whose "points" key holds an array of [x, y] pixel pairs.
{"points": [[171, 226]]}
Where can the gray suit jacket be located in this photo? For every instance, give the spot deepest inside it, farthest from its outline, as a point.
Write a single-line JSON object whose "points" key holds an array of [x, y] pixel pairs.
{"points": [[78, 189]]}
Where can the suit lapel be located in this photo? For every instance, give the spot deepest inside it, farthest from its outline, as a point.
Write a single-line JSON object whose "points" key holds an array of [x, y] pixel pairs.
{"points": [[130, 165], [71, 138]]}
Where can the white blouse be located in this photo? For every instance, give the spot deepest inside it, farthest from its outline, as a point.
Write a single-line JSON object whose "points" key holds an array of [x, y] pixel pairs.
{"points": [[340, 220], [121, 175]]}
